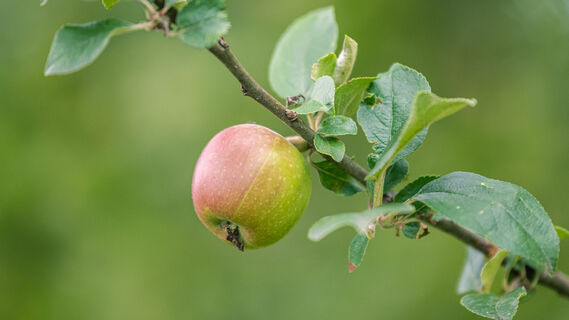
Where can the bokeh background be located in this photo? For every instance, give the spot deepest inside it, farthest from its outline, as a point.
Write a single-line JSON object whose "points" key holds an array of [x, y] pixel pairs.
{"points": [[96, 218]]}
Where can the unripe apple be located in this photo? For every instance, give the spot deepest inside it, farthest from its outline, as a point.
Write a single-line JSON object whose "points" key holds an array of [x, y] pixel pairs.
{"points": [[250, 186]]}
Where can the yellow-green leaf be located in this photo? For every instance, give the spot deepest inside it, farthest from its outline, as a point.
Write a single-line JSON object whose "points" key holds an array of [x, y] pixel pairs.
{"points": [[490, 270], [562, 232], [109, 3], [324, 67]]}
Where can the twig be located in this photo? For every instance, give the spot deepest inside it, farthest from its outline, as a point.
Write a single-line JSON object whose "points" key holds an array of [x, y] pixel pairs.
{"points": [[558, 281]]}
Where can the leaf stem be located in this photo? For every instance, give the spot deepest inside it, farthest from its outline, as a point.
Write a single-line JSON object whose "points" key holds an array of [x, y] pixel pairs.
{"points": [[318, 119], [378, 190], [148, 25], [310, 122]]}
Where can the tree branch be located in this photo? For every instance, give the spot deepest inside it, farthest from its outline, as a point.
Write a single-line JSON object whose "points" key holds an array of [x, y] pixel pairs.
{"points": [[558, 281]]}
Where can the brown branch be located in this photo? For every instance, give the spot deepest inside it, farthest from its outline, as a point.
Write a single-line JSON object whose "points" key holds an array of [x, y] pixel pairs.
{"points": [[558, 281]]}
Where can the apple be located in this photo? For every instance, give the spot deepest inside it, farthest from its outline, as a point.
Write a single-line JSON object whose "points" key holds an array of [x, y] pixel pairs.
{"points": [[250, 186]]}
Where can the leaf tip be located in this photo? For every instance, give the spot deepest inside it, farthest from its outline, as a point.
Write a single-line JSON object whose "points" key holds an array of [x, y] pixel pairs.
{"points": [[314, 235], [351, 267]]}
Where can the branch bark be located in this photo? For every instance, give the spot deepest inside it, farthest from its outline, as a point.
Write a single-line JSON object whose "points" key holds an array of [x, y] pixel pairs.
{"points": [[558, 281]]}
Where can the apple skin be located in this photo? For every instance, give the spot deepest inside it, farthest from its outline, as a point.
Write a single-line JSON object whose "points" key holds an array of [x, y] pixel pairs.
{"points": [[252, 178]]}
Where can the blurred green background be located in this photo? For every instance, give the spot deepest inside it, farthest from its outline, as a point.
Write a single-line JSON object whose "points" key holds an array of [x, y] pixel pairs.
{"points": [[96, 219]]}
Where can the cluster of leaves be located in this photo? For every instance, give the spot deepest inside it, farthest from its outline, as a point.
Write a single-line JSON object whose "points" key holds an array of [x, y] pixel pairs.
{"points": [[395, 110], [199, 23]]}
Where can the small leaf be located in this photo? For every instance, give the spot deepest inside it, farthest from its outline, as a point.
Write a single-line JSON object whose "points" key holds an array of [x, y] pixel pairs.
{"points": [[396, 88], [349, 95], [481, 304], [77, 45], [562, 232], [357, 251], [323, 91], [508, 304], [490, 270], [346, 61], [311, 106], [338, 126], [324, 67], [202, 23], [504, 213], [108, 4], [336, 179], [360, 221], [411, 229], [331, 146], [470, 276], [308, 38], [412, 188], [371, 99], [493, 307], [321, 97], [426, 109], [395, 174]]}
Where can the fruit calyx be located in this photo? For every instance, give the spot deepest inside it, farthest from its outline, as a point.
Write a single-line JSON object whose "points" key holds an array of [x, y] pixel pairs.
{"points": [[233, 234]]}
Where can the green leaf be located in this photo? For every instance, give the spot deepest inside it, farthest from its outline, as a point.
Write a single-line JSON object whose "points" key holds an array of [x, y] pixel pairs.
{"points": [[77, 45], [308, 38], [331, 146], [360, 221], [357, 251], [412, 188], [336, 179], [324, 67], [321, 97], [562, 233], [202, 23], [396, 88], [349, 95], [493, 307], [501, 212], [490, 270], [481, 304], [109, 3], [411, 229], [346, 61], [323, 91], [425, 110], [311, 106], [395, 174], [470, 276], [338, 126], [508, 304]]}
